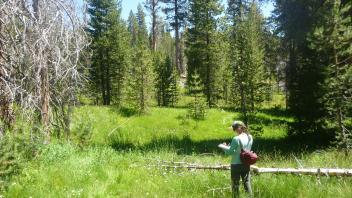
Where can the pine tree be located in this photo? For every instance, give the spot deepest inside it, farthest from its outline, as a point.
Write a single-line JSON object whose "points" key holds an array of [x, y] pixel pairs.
{"points": [[237, 9], [223, 35], [197, 108], [258, 84], [304, 75], [139, 88], [176, 12], [109, 44], [142, 34], [153, 6], [167, 42], [139, 81], [132, 28], [332, 40], [274, 59], [203, 49], [248, 58], [166, 81]]}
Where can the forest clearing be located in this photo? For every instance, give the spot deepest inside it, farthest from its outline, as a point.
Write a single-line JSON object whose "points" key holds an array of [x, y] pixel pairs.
{"points": [[176, 98], [119, 166]]}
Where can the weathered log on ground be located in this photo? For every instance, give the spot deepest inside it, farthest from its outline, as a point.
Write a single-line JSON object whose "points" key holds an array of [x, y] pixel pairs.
{"points": [[257, 170], [305, 171], [218, 167]]}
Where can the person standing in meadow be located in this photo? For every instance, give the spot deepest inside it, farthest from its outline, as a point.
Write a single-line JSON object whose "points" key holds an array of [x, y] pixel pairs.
{"points": [[242, 140]]}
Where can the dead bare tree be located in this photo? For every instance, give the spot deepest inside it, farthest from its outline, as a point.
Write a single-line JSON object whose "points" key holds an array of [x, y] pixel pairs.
{"points": [[41, 42]]}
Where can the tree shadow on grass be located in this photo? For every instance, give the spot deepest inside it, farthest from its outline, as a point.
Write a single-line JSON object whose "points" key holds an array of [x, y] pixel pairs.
{"points": [[187, 146], [275, 111], [292, 144], [124, 111]]}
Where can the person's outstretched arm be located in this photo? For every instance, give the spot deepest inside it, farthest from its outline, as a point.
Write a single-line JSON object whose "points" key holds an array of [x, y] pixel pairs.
{"points": [[233, 147]]}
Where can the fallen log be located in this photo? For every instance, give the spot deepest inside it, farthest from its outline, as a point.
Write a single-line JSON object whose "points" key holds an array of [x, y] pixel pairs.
{"points": [[217, 167], [305, 171], [257, 170]]}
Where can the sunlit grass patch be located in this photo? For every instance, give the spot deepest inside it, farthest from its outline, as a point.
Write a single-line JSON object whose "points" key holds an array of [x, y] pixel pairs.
{"points": [[122, 146]]}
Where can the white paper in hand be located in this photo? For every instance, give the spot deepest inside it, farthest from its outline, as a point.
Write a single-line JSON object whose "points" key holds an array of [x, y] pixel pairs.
{"points": [[223, 146]]}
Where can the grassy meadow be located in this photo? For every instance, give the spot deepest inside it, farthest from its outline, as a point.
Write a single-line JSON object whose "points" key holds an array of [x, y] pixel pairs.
{"points": [[113, 149]]}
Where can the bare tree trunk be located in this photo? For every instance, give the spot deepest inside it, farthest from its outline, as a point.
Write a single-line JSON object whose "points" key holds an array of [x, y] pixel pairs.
{"points": [[102, 80], [252, 100], [339, 113], [208, 81], [154, 30], [181, 52], [108, 80], [6, 114], [44, 81], [142, 97], [67, 119], [39, 35], [243, 103], [44, 95], [177, 40]]}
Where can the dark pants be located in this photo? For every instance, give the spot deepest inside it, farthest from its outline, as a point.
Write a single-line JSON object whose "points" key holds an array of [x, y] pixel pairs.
{"points": [[240, 171]]}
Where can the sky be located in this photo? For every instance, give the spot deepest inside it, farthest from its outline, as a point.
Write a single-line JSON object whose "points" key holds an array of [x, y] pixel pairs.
{"points": [[128, 5]]}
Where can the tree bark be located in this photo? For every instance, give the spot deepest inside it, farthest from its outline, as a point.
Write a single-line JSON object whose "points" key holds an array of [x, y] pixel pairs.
{"points": [[44, 82], [101, 75], [6, 113], [108, 80], [243, 103], [177, 40], [252, 100], [208, 81], [44, 98], [257, 170], [339, 113], [154, 30]]}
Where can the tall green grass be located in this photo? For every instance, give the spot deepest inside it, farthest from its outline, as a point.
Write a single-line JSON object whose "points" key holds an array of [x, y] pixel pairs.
{"points": [[65, 171], [115, 162]]}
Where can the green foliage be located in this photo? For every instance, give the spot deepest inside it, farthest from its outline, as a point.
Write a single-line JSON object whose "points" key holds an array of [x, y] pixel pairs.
{"points": [[176, 14], [140, 75], [275, 53], [247, 54], [225, 70], [166, 81], [110, 50], [166, 42], [142, 35], [203, 50], [132, 27], [15, 151], [139, 87], [332, 40], [176, 18], [231, 59], [63, 170], [81, 133], [304, 73], [197, 108]]}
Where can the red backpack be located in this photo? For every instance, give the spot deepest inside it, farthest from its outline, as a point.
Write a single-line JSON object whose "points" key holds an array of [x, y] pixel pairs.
{"points": [[247, 157]]}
